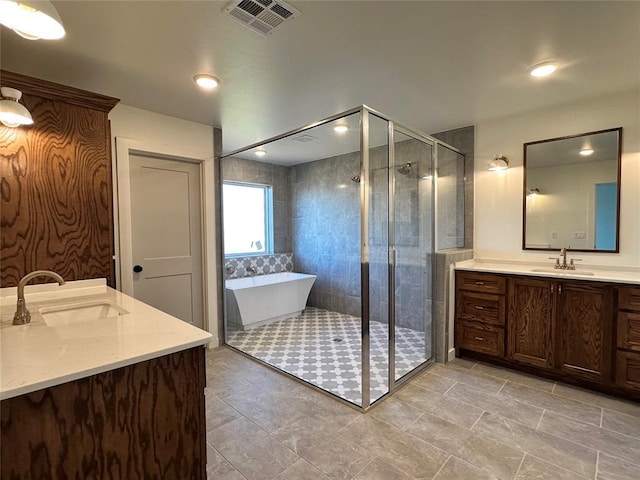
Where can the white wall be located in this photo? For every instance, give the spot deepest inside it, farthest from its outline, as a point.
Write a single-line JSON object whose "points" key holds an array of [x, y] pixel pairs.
{"points": [[152, 132], [498, 195]]}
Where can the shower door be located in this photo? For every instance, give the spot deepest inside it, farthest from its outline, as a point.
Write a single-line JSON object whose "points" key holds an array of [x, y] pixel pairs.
{"points": [[411, 227]]}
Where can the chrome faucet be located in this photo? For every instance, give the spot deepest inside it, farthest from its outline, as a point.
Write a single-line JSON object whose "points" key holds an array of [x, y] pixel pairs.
{"points": [[22, 315], [564, 265], [252, 271]]}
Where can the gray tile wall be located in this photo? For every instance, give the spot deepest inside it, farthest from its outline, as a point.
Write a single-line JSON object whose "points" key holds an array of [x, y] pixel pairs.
{"points": [[236, 267], [249, 171]]}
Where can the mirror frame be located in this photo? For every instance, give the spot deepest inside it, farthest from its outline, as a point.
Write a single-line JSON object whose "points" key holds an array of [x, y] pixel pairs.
{"points": [[524, 191]]}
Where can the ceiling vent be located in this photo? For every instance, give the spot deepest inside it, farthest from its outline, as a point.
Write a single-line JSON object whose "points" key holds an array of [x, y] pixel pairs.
{"points": [[261, 16], [304, 138]]}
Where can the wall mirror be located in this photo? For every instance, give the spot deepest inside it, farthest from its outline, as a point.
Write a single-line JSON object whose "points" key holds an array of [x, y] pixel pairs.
{"points": [[571, 192]]}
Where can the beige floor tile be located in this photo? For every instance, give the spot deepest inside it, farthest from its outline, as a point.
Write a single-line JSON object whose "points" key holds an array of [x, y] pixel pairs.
{"points": [[571, 408], [436, 404], [613, 443], [462, 363], [396, 412], [405, 452], [435, 383], [533, 468], [217, 412], [515, 377], [558, 451], [378, 469], [612, 468], [456, 469], [598, 399], [498, 459], [475, 379], [218, 468], [503, 405], [621, 423], [302, 470]]}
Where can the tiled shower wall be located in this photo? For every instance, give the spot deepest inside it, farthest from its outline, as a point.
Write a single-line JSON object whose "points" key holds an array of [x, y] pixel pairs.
{"points": [[236, 267]]}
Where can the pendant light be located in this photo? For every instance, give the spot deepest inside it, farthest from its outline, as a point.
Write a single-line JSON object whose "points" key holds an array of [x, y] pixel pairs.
{"points": [[12, 112], [32, 19]]}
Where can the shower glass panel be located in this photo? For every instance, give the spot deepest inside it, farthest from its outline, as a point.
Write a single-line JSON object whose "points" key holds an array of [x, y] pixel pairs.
{"points": [[378, 250], [412, 244], [329, 280]]}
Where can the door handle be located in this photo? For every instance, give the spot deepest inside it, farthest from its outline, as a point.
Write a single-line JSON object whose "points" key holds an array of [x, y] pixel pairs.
{"points": [[137, 268]]}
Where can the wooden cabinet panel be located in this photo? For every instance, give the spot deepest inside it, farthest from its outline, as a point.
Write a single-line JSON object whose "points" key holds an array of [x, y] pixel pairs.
{"points": [[480, 338], [628, 370], [480, 282], [585, 313], [531, 336], [629, 331], [629, 298], [57, 200], [481, 307], [142, 421]]}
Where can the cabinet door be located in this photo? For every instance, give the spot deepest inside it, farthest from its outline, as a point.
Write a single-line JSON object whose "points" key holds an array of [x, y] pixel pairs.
{"points": [[530, 322], [585, 319]]}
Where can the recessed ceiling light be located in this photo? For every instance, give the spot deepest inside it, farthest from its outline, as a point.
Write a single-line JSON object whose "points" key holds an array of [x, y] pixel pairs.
{"points": [[585, 152], [542, 69], [340, 128], [206, 81], [260, 153]]}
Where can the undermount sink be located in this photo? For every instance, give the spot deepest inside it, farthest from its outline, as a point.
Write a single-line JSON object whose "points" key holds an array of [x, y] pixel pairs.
{"points": [[562, 272], [69, 314]]}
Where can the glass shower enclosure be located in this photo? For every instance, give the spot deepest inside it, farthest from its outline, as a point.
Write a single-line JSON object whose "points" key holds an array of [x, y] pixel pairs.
{"points": [[347, 226]]}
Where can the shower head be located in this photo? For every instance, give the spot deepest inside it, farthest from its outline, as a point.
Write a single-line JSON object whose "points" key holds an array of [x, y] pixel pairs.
{"points": [[405, 169], [355, 178]]}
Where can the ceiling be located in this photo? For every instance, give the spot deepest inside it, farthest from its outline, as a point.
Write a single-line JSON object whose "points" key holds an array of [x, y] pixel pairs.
{"points": [[431, 65]]}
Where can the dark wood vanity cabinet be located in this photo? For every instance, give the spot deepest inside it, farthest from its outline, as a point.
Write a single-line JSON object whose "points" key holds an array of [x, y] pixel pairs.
{"points": [[628, 339], [564, 329]]}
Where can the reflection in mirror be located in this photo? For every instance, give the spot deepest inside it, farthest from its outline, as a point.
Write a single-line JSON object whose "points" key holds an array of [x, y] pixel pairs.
{"points": [[572, 192]]}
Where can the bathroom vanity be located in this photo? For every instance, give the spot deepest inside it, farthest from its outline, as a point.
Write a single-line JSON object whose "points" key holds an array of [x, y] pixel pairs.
{"points": [[580, 327], [99, 385]]}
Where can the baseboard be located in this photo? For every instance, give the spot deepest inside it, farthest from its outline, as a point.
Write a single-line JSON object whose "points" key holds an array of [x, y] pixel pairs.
{"points": [[451, 354]]}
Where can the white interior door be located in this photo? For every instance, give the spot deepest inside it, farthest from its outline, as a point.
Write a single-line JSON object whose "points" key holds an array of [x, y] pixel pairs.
{"points": [[166, 236]]}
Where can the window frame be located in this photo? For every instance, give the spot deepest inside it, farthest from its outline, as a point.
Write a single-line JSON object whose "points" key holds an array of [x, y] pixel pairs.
{"points": [[268, 218]]}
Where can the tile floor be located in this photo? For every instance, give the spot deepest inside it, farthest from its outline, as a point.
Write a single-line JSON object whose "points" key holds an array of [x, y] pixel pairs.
{"points": [[324, 348], [459, 421]]}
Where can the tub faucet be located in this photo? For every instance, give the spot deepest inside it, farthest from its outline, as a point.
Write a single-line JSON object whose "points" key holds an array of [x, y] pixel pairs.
{"points": [[22, 315], [252, 271]]}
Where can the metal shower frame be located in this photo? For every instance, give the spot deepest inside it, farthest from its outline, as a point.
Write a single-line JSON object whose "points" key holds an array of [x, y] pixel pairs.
{"points": [[393, 126]]}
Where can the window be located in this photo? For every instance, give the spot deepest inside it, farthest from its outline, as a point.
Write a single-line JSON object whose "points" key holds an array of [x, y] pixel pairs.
{"points": [[248, 219]]}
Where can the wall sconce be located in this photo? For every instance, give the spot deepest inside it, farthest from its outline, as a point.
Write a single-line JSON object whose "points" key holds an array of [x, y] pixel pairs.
{"points": [[532, 192], [32, 19], [13, 113], [499, 163]]}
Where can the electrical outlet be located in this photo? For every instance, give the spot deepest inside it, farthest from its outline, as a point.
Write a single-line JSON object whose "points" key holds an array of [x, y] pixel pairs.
{"points": [[554, 235], [579, 235]]}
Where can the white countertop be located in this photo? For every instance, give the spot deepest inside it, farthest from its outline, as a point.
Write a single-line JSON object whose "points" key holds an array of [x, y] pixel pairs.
{"points": [[599, 274], [36, 356]]}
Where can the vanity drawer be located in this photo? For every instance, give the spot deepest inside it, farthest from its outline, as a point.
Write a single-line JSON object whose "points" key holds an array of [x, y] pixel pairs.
{"points": [[629, 330], [480, 307], [628, 370], [481, 282], [480, 338], [629, 298]]}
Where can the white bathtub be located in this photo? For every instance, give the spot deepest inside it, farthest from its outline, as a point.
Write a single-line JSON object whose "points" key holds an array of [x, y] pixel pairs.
{"points": [[254, 301]]}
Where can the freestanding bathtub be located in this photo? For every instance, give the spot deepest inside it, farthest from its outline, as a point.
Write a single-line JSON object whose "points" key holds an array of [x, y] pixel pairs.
{"points": [[254, 301]]}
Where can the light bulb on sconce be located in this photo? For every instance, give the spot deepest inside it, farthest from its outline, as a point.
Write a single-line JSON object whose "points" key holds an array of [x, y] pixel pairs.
{"points": [[499, 163], [12, 112]]}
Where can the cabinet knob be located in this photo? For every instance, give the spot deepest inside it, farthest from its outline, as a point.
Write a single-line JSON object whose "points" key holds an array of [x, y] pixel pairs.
{"points": [[137, 268]]}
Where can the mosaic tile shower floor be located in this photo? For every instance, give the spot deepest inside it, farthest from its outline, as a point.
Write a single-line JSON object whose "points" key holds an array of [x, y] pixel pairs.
{"points": [[323, 348]]}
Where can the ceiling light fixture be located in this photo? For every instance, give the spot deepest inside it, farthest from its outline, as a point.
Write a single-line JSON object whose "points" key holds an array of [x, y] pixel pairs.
{"points": [[260, 153], [12, 112], [341, 129], [499, 163], [542, 69], [32, 20], [585, 152], [206, 81]]}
